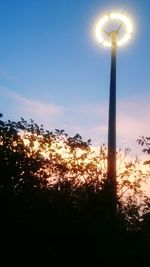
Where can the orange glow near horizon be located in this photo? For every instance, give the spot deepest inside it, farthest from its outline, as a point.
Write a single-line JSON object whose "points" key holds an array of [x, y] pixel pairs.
{"points": [[93, 161]]}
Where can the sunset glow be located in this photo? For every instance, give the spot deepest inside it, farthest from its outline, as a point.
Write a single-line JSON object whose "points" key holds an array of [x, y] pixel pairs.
{"points": [[130, 171]]}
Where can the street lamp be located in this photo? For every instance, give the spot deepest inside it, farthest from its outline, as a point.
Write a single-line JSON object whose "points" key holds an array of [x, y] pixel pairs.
{"points": [[113, 30]]}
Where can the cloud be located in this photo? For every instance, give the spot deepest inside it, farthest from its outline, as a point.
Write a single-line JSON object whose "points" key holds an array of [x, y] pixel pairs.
{"points": [[91, 109], [132, 122], [15, 105], [36, 108], [133, 118], [89, 120]]}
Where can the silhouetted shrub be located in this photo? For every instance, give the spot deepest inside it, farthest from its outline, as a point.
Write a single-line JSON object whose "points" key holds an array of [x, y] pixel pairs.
{"points": [[55, 205]]}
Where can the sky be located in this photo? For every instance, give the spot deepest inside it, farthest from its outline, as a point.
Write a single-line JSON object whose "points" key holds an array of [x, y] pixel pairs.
{"points": [[52, 69]]}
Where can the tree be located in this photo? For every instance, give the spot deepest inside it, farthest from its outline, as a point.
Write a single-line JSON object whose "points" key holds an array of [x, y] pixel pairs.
{"points": [[54, 199]]}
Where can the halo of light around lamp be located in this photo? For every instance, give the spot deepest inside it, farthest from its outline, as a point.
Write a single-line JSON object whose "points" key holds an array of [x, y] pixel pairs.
{"points": [[113, 17]]}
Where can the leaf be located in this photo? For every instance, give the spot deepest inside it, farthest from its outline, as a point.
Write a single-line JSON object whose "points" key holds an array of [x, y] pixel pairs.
{"points": [[147, 162]]}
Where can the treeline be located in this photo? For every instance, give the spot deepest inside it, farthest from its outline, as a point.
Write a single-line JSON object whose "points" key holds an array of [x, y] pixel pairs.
{"points": [[55, 205]]}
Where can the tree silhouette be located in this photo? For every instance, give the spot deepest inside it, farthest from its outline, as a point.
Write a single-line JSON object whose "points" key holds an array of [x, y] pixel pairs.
{"points": [[55, 205]]}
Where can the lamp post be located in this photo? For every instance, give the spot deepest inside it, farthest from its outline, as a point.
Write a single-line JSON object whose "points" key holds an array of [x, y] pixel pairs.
{"points": [[113, 30], [111, 164]]}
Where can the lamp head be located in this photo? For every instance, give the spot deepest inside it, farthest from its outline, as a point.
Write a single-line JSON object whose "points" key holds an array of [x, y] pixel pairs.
{"points": [[113, 28]]}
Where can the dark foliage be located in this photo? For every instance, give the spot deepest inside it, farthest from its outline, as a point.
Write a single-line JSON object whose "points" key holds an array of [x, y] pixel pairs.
{"points": [[66, 222]]}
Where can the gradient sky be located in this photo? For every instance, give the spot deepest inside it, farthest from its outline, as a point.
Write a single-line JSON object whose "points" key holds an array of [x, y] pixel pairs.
{"points": [[53, 71]]}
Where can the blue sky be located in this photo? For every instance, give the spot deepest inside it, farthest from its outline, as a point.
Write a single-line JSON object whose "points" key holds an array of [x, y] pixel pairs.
{"points": [[53, 71]]}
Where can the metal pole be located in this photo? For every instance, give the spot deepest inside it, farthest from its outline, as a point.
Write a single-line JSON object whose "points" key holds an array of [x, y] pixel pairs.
{"points": [[111, 175]]}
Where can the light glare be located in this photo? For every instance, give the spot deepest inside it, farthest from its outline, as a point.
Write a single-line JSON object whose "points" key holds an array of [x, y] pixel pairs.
{"points": [[118, 17]]}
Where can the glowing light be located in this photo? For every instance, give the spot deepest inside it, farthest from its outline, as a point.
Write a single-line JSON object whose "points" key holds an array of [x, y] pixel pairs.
{"points": [[111, 17]]}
